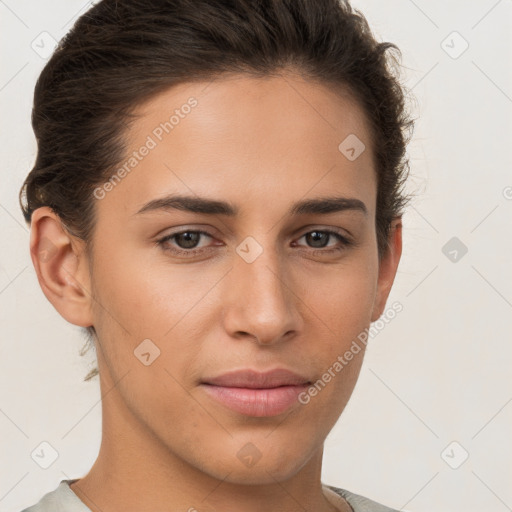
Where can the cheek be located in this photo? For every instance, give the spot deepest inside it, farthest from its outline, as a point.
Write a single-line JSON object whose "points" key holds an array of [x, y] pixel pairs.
{"points": [[342, 305], [146, 300], [343, 299]]}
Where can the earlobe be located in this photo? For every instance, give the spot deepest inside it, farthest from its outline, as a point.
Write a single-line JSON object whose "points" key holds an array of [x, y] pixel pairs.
{"points": [[61, 267], [387, 268]]}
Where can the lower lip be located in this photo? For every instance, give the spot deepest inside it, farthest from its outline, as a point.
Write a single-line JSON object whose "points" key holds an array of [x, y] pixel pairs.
{"points": [[256, 402]]}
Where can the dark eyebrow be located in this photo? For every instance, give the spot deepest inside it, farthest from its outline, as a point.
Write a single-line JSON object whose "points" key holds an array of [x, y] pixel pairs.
{"points": [[323, 205], [327, 205]]}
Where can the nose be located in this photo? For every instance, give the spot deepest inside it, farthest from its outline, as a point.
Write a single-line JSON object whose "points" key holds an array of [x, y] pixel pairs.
{"points": [[260, 301]]}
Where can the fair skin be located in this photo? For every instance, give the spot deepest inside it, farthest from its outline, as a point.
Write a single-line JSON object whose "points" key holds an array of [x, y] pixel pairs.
{"points": [[260, 145]]}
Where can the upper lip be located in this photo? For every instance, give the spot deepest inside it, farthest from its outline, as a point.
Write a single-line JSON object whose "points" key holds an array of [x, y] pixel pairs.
{"points": [[257, 380]]}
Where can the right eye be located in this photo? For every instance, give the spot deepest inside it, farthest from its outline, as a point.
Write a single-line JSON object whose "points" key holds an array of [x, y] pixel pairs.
{"points": [[186, 240]]}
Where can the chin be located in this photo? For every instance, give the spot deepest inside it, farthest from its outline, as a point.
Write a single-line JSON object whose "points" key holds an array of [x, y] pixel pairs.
{"points": [[262, 474], [256, 463]]}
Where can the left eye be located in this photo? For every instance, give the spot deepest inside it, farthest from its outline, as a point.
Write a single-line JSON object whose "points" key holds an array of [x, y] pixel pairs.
{"points": [[322, 236], [187, 241]]}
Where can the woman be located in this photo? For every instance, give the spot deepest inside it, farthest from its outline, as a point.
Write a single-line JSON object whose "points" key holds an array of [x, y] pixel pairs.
{"points": [[217, 200]]}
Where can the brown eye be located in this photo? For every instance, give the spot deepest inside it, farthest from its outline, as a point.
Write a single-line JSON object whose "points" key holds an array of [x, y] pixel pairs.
{"points": [[187, 239], [318, 239], [184, 243]]}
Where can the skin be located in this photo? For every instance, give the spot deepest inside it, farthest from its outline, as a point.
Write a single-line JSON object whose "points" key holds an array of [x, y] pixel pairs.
{"points": [[261, 144]]}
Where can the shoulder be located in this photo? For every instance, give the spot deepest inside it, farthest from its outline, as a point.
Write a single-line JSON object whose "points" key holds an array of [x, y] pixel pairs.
{"points": [[61, 499], [360, 503]]}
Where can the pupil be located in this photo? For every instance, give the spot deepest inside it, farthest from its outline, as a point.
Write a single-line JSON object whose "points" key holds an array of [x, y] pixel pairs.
{"points": [[191, 239], [317, 236]]}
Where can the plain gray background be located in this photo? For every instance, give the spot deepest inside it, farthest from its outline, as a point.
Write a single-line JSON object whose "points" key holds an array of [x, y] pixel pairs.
{"points": [[435, 387]]}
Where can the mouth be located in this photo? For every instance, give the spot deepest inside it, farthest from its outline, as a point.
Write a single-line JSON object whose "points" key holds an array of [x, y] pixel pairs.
{"points": [[257, 394]]}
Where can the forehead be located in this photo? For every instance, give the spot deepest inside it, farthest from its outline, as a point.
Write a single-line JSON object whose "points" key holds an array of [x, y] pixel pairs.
{"points": [[241, 138]]}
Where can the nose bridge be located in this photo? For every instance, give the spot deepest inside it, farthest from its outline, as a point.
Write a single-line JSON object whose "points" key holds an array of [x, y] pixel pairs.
{"points": [[263, 304]]}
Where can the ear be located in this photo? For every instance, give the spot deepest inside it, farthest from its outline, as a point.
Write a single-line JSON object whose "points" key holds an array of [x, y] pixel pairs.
{"points": [[61, 265], [387, 267]]}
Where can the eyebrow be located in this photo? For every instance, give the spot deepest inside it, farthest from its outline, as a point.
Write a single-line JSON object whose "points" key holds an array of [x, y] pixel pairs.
{"points": [[194, 204]]}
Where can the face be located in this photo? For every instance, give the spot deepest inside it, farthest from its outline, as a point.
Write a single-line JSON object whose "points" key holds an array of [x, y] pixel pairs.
{"points": [[271, 263]]}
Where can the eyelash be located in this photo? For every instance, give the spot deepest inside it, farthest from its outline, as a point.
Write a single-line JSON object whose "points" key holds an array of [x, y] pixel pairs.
{"points": [[346, 243]]}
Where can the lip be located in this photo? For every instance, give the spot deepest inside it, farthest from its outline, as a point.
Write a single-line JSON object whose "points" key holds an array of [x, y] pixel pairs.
{"points": [[254, 393], [257, 380]]}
